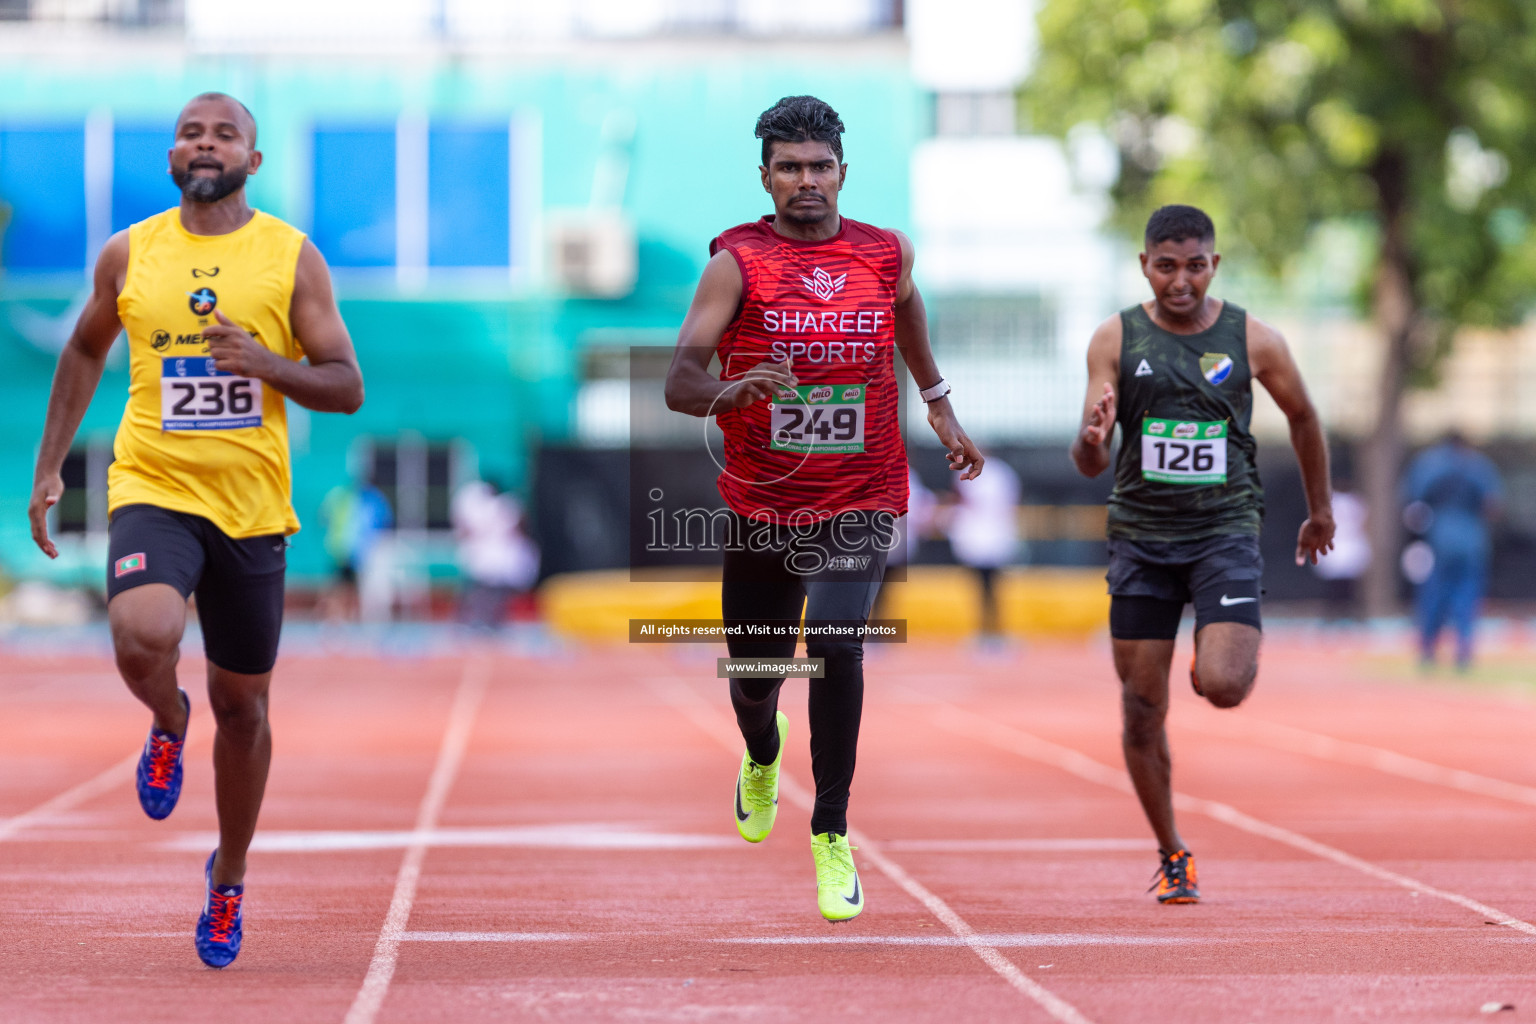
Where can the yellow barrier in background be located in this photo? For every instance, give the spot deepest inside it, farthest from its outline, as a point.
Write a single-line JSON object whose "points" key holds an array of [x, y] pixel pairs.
{"points": [[938, 602]]}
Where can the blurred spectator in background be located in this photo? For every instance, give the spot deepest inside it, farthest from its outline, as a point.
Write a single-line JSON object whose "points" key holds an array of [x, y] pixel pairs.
{"points": [[910, 529], [497, 557], [1452, 491], [353, 516], [1342, 568], [983, 527]]}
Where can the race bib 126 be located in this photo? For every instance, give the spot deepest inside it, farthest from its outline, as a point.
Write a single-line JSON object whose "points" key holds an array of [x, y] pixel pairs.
{"points": [[822, 419], [1183, 452], [194, 395]]}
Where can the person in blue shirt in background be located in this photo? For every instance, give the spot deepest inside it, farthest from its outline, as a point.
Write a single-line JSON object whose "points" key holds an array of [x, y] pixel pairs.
{"points": [[354, 516], [1454, 492]]}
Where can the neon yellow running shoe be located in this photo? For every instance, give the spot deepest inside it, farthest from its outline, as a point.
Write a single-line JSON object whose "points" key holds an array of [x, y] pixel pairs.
{"points": [[757, 792], [838, 892]]}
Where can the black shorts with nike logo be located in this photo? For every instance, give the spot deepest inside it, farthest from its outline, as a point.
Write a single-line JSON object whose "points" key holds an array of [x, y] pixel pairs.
{"points": [[1150, 582], [238, 583]]}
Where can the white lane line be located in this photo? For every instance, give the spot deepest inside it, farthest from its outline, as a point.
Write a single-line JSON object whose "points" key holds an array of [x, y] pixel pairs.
{"points": [[1012, 940], [461, 719], [1232, 816], [496, 937], [121, 772], [53, 680], [723, 731], [574, 836], [1361, 755], [1005, 737], [1015, 845], [560, 836], [71, 798]]}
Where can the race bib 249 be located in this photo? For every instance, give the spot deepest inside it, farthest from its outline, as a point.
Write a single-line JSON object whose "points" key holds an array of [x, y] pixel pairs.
{"points": [[822, 419]]}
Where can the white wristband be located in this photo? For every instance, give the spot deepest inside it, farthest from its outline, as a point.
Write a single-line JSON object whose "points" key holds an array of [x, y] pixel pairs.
{"points": [[936, 392]]}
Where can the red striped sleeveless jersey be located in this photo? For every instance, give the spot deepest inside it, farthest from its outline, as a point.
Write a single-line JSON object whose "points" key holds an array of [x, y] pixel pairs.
{"points": [[834, 444]]}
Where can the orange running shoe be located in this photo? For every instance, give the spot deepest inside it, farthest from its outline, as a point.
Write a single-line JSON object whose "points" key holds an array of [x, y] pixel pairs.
{"points": [[1194, 680], [1176, 880]]}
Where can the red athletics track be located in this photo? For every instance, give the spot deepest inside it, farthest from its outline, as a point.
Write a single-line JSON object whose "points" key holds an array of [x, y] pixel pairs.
{"points": [[493, 837]]}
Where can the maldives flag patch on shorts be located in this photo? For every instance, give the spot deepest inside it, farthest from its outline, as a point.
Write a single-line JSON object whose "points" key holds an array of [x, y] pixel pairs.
{"points": [[130, 563]]}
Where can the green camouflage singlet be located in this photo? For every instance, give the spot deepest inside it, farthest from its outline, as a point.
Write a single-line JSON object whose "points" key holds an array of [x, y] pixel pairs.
{"points": [[1186, 465]]}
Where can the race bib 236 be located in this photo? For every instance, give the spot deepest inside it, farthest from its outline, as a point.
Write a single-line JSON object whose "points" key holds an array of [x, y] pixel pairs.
{"points": [[194, 395]]}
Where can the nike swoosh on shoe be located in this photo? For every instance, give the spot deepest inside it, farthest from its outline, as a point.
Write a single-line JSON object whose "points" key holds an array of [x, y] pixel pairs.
{"points": [[742, 814], [853, 900]]}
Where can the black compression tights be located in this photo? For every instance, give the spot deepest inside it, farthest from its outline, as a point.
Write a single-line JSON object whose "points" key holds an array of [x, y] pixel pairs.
{"points": [[835, 708], [757, 588]]}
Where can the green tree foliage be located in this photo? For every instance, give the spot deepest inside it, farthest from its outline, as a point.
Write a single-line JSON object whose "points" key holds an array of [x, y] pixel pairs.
{"points": [[1411, 117]]}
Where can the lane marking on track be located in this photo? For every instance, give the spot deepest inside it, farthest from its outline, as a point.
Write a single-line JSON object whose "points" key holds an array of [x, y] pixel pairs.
{"points": [[495, 937], [71, 798], [565, 836], [17, 684], [1012, 940], [122, 772], [715, 725], [574, 836], [450, 755], [1327, 748], [1005, 737], [1014, 845], [1007, 939]]}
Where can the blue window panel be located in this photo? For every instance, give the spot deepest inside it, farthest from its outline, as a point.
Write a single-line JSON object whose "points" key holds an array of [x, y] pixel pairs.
{"points": [[354, 195], [141, 183], [468, 199], [42, 181]]}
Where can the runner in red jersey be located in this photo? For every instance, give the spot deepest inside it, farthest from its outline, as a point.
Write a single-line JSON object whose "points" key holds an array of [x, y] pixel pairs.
{"points": [[827, 308], [805, 310]]}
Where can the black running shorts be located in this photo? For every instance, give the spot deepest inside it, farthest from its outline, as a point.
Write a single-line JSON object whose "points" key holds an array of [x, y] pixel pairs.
{"points": [[1150, 582], [238, 583]]}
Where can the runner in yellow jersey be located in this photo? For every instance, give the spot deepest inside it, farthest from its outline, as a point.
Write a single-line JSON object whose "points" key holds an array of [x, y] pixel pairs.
{"points": [[227, 311]]}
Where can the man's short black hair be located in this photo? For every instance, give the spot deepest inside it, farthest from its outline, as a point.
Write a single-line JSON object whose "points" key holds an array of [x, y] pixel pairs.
{"points": [[800, 119], [1177, 223]]}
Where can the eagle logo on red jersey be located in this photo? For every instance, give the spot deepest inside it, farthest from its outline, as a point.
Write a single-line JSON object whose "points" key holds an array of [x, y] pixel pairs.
{"points": [[823, 285]]}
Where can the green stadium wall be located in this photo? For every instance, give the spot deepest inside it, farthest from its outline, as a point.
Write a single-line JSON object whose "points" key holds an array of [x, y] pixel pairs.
{"points": [[494, 365]]}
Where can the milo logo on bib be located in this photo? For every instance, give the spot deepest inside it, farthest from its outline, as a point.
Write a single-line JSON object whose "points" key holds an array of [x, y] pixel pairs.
{"points": [[1184, 452]]}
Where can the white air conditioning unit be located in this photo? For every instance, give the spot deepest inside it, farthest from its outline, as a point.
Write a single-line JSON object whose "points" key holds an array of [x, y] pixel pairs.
{"points": [[592, 252]]}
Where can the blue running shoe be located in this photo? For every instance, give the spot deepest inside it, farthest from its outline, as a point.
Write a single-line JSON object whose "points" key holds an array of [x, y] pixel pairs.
{"points": [[159, 774], [218, 926]]}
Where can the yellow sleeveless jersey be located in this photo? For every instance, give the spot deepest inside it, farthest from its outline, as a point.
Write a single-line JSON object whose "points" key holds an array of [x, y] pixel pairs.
{"points": [[193, 438]]}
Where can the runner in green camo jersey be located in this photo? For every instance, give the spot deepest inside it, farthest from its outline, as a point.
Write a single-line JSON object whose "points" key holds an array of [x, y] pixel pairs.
{"points": [[1199, 378], [1176, 374]]}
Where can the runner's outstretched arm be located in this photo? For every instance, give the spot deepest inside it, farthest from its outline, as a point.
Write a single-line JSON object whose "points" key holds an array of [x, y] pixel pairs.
{"points": [[74, 382], [1090, 449], [1274, 368], [691, 388], [332, 380], [912, 338]]}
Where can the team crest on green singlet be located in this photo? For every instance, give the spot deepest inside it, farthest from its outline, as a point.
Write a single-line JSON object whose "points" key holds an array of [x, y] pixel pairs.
{"points": [[1216, 366]]}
